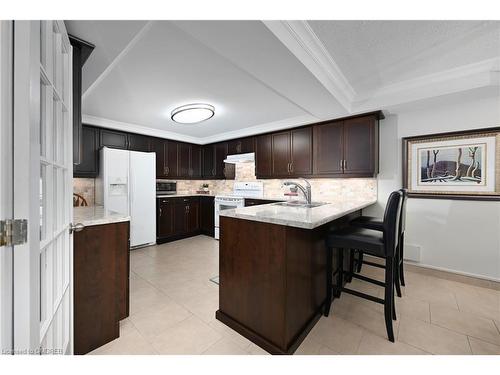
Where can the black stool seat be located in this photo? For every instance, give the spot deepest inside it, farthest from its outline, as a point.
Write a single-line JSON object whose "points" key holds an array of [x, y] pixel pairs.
{"points": [[371, 241], [368, 222]]}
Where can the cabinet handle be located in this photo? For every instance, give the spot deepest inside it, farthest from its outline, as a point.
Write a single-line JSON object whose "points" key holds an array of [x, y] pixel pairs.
{"points": [[291, 167], [341, 162], [345, 164], [160, 211]]}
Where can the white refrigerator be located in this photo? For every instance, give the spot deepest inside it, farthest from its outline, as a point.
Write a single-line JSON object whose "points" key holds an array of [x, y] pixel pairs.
{"points": [[126, 184]]}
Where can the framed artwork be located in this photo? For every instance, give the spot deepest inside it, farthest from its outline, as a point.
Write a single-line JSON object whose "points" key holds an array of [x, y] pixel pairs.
{"points": [[457, 165]]}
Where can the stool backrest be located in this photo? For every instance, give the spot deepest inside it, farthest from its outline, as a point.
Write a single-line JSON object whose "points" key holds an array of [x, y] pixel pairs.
{"points": [[402, 219], [391, 222]]}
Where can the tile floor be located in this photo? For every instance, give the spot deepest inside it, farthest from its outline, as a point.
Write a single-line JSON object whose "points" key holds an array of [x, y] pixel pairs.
{"points": [[173, 304]]}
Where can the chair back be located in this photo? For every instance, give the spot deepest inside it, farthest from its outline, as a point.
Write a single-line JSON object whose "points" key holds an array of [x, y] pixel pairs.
{"points": [[79, 201], [391, 222], [402, 219]]}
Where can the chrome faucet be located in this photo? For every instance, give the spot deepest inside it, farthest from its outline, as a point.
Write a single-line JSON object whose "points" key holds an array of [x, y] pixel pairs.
{"points": [[305, 190]]}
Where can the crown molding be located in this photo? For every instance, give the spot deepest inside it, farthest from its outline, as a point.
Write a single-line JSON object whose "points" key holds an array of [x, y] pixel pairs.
{"points": [[463, 78], [301, 40], [250, 131]]}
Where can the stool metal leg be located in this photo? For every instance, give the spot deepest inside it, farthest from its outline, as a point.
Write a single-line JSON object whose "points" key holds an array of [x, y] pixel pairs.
{"points": [[329, 286], [389, 297]]}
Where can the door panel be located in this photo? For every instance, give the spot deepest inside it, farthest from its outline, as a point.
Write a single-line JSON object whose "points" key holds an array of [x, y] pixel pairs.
{"points": [[195, 161], [89, 162], [165, 217], [158, 147], [193, 222], [171, 159], [220, 155], [180, 219], [6, 178], [359, 143], [113, 139], [183, 151], [301, 152], [208, 161], [138, 142], [281, 154], [263, 156], [328, 148]]}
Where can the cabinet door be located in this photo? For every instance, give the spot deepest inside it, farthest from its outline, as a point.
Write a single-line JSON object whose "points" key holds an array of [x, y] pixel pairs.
{"points": [[89, 162], [263, 156], [183, 154], [171, 159], [207, 218], [180, 217], [114, 139], [195, 161], [193, 215], [301, 152], [208, 170], [281, 154], [234, 147], [328, 148], [165, 218], [220, 155], [138, 142], [247, 145], [158, 146], [359, 146]]}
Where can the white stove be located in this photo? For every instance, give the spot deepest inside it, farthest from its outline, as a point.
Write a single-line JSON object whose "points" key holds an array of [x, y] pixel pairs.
{"points": [[241, 190]]}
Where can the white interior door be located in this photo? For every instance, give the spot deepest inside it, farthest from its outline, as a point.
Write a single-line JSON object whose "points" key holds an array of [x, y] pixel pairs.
{"points": [[6, 177], [43, 171]]}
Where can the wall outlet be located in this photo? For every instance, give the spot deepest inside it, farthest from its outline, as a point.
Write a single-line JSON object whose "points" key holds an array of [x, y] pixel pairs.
{"points": [[412, 252]]}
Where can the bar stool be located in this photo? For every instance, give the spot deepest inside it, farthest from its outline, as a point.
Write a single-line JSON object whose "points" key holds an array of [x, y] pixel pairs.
{"points": [[375, 223], [378, 243]]}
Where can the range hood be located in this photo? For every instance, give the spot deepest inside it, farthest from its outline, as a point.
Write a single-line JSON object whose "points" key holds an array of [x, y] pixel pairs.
{"points": [[240, 158]]}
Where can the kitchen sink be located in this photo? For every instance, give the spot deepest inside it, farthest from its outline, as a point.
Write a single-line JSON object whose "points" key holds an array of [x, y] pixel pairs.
{"points": [[300, 204]]}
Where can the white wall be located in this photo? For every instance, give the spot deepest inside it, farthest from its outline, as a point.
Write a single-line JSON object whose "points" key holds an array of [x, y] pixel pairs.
{"points": [[456, 235]]}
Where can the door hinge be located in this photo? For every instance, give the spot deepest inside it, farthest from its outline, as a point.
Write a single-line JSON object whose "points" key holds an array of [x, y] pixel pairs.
{"points": [[13, 232]]}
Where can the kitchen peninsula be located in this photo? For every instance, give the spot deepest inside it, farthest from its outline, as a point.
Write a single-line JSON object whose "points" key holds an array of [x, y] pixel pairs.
{"points": [[272, 269]]}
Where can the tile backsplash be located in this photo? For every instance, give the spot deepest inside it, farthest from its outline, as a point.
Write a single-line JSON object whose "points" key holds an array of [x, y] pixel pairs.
{"points": [[323, 189]]}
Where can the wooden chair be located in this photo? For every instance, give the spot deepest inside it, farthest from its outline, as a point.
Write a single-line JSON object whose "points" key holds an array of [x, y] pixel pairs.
{"points": [[79, 201]]}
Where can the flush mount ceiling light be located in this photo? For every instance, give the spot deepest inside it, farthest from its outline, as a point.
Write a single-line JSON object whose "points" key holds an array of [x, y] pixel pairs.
{"points": [[192, 113]]}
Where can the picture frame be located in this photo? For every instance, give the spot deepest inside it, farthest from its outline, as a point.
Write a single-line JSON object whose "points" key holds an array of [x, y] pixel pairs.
{"points": [[455, 165]]}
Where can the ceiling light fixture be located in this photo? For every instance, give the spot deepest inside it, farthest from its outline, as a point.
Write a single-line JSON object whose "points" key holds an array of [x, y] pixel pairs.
{"points": [[192, 113]]}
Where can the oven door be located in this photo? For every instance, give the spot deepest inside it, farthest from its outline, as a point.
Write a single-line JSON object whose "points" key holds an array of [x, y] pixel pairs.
{"points": [[222, 205]]}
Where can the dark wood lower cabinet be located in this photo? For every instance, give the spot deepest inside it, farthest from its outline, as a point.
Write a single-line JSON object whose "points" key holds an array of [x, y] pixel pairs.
{"points": [[272, 280], [180, 217], [101, 284]]}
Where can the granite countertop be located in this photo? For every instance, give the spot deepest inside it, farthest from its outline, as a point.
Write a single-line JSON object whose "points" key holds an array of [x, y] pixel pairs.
{"points": [[300, 217], [96, 215]]}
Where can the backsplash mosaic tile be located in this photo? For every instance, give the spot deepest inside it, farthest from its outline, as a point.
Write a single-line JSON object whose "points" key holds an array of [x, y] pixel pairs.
{"points": [[323, 189]]}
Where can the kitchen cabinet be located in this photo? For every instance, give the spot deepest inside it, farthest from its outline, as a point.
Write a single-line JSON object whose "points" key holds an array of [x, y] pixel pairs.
{"points": [[164, 217], [166, 157], [280, 154], [81, 52], [241, 146], [184, 155], [171, 159], [208, 170], [207, 218], [113, 139], [292, 153], [195, 159], [347, 148], [101, 284], [193, 215], [157, 145], [89, 161], [220, 155], [138, 142], [263, 156]]}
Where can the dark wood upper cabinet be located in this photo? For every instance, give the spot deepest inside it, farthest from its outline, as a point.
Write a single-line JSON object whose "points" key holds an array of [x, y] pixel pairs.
{"points": [[195, 161], [220, 155], [360, 155], [89, 162], [281, 154], [138, 142], [328, 148], [81, 52], [301, 152], [240, 146], [183, 154], [157, 146], [263, 156], [113, 139], [171, 159], [208, 161]]}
